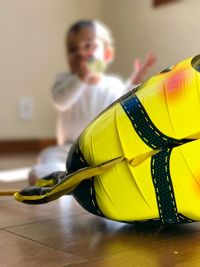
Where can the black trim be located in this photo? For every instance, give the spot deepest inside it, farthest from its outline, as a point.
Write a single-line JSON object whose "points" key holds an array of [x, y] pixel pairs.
{"points": [[160, 169], [144, 127], [163, 187], [84, 193]]}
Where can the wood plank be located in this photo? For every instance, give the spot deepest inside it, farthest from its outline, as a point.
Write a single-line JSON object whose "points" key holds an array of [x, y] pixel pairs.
{"points": [[15, 160], [106, 243], [17, 251], [14, 213]]}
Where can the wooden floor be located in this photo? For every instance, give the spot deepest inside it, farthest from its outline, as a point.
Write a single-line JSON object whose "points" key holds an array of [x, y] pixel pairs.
{"points": [[61, 233]]}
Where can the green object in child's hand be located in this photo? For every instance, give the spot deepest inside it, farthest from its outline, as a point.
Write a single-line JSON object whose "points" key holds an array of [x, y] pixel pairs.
{"points": [[96, 65]]}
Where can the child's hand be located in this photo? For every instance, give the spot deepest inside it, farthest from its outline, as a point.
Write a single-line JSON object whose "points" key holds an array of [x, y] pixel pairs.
{"points": [[82, 70], [140, 69]]}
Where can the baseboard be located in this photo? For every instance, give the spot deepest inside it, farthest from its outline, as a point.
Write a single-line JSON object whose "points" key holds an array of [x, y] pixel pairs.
{"points": [[22, 146]]}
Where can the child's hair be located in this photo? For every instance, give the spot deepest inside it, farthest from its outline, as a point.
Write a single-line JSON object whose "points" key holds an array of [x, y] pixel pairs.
{"points": [[102, 31]]}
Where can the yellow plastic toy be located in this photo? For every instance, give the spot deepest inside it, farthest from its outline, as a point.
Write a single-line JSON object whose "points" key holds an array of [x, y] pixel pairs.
{"points": [[139, 159]]}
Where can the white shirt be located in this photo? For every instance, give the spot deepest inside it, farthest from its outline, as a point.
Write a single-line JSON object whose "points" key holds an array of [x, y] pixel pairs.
{"points": [[79, 103]]}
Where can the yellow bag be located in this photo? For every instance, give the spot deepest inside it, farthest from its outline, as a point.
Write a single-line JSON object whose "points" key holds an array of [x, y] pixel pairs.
{"points": [[138, 160]]}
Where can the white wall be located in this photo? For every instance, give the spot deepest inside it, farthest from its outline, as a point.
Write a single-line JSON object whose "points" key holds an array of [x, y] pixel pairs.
{"points": [[32, 53], [172, 31]]}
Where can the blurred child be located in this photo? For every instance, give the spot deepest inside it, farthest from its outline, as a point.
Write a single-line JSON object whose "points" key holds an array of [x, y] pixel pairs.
{"points": [[85, 91]]}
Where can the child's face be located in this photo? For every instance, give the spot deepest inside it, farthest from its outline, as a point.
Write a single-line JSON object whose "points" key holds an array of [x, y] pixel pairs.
{"points": [[83, 46]]}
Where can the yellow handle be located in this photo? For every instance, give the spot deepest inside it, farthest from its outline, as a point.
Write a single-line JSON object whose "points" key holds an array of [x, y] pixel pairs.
{"points": [[8, 192]]}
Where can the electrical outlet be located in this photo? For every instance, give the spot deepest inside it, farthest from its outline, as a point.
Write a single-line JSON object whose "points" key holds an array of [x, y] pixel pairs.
{"points": [[25, 108]]}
